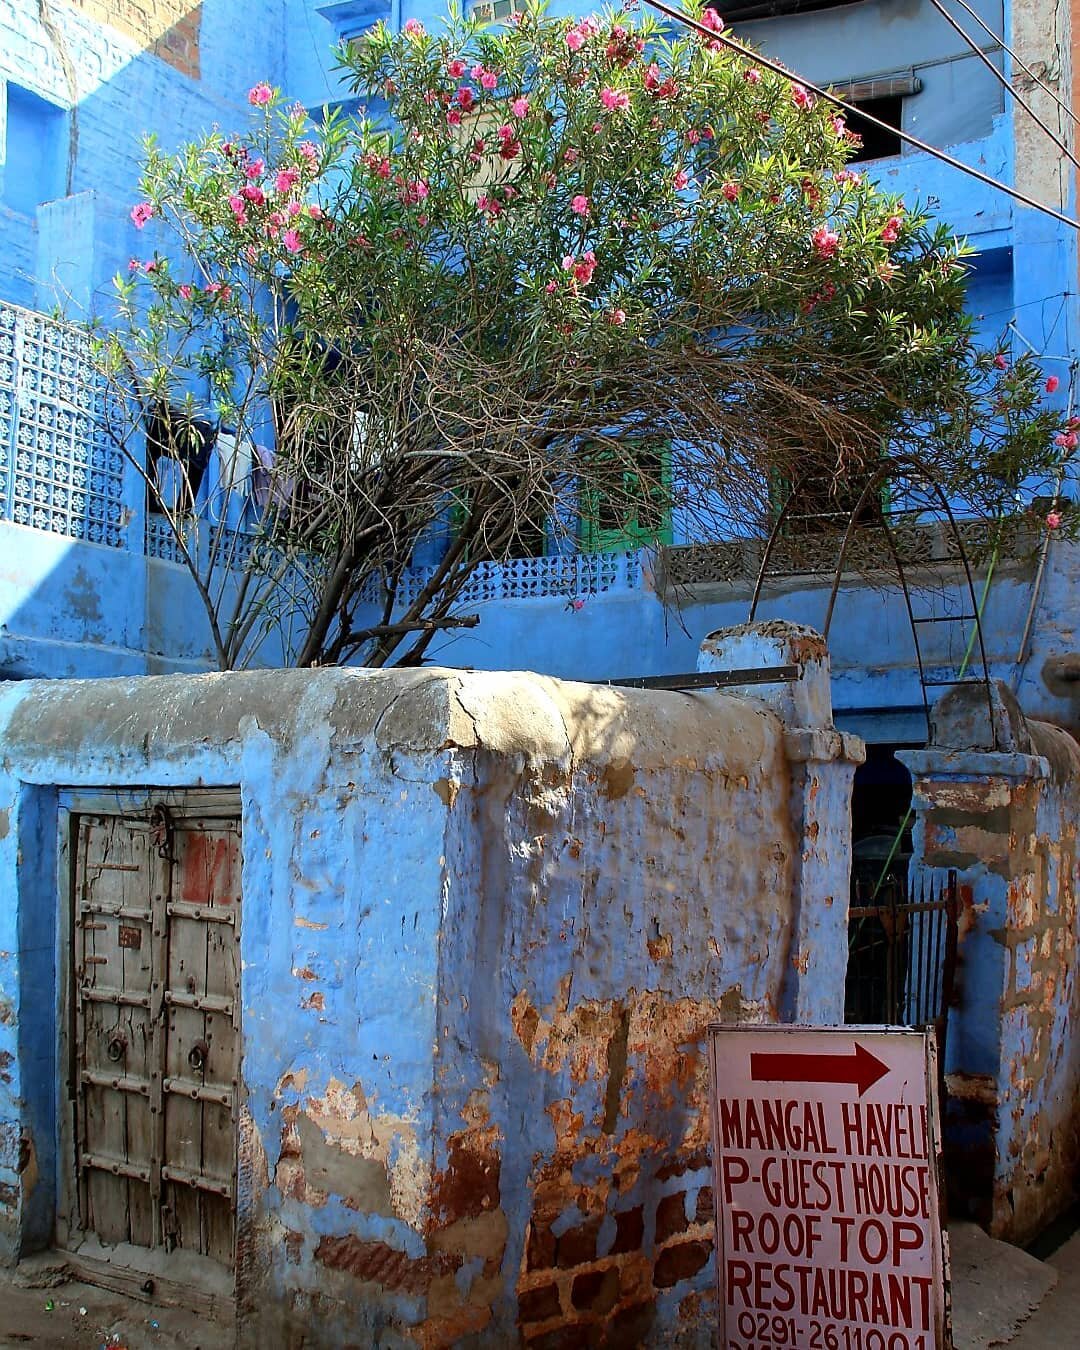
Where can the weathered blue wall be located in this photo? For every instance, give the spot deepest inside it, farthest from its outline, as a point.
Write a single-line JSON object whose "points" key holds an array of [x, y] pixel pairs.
{"points": [[486, 922], [998, 805]]}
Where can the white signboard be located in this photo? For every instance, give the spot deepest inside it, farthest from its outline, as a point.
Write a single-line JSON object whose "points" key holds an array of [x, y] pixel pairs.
{"points": [[825, 1148]]}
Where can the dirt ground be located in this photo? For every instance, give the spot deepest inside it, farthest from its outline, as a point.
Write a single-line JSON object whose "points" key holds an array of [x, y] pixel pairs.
{"points": [[72, 1316]]}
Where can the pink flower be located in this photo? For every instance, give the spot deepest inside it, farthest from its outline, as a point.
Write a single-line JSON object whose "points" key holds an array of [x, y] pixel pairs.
{"points": [[612, 98], [476, 71], [414, 28], [456, 68], [238, 207], [617, 317], [575, 39], [580, 205], [551, 286], [255, 169], [254, 194], [839, 126], [1052, 383], [891, 231], [489, 80], [577, 605], [465, 97], [134, 265], [568, 262], [294, 209], [520, 107], [712, 21], [315, 211], [383, 168], [291, 240], [752, 75], [309, 151], [825, 241], [1053, 520], [260, 96], [151, 267], [185, 291], [800, 97], [848, 176], [1000, 363], [680, 180], [1067, 440], [652, 77], [453, 117], [141, 213], [286, 180], [571, 156], [219, 289], [729, 190], [584, 270]]}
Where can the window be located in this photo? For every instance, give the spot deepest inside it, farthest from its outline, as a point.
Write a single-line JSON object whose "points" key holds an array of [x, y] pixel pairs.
{"points": [[34, 165], [492, 11], [633, 510], [877, 142], [743, 11], [882, 98]]}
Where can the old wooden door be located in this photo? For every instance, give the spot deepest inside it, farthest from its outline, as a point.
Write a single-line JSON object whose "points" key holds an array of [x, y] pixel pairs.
{"points": [[156, 1028]]}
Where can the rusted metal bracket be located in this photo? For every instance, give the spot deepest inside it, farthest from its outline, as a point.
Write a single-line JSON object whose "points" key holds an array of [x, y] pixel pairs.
{"points": [[161, 831], [711, 679]]}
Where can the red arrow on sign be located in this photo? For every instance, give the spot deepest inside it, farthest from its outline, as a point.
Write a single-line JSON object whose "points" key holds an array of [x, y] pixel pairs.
{"points": [[862, 1068]]}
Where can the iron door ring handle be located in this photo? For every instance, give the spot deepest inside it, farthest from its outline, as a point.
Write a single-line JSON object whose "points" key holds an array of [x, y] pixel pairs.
{"points": [[197, 1056], [116, 1048]]}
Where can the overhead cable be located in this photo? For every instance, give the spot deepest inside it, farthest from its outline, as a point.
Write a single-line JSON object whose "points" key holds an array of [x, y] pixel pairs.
{"points": [[997, 74], [767, 64], [1017, 61]]}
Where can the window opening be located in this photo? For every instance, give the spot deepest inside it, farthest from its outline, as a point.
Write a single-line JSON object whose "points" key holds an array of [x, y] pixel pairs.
{"points": [[35, 152], [877, 142], [632, 510]]}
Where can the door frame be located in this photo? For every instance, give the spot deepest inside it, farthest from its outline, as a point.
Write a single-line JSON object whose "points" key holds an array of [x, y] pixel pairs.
{"points": [[198, 1282]]}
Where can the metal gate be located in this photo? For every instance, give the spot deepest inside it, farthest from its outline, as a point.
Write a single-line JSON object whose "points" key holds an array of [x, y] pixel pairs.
{"points": [[902, 954], [156, 1027]]}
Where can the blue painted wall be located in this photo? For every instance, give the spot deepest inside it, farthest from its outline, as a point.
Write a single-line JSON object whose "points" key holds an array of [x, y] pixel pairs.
{"points": [[486, 921]]}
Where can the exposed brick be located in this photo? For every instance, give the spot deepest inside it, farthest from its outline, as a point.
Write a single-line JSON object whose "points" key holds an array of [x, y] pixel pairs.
{"points": [[536, 1305], [676, 1167], [577, 1246], [575, 1336], [680, 1262], [380, 1264], [630, 1326], [596, 1290], [540, 1247], [671, 1216], [704, 1210], [294, 1247], [629, 1230]]}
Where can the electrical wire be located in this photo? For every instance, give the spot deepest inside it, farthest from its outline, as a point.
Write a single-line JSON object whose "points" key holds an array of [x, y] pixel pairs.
{"points": [[1016, 61], [1005, 83], [758, 59]]}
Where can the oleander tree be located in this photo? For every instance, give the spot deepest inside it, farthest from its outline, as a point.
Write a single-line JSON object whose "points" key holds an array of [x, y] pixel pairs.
{"points": [[549, 272]]}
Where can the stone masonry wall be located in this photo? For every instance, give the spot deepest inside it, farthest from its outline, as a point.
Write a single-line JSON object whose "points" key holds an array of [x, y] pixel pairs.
{"points": [[1007, 821]]}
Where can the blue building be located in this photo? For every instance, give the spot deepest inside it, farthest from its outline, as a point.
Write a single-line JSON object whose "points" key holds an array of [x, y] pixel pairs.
{"points": [[90, 585]]}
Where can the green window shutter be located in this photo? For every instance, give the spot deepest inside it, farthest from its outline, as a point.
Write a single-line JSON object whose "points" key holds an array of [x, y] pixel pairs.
{"points": [[637, 514]]}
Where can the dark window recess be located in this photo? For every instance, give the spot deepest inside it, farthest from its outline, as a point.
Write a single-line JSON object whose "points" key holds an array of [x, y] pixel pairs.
{"points": [[177, 453], [736, 12], [877, 142]]}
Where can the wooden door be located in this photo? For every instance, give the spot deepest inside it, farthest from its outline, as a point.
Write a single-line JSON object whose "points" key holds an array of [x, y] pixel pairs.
{"points": [[156, 1034]]}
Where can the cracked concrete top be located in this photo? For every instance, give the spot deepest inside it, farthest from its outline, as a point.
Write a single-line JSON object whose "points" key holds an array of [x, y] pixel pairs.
{"points": [[506, 712]]}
